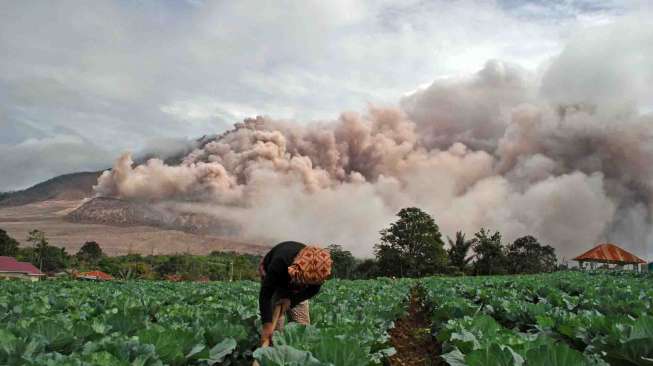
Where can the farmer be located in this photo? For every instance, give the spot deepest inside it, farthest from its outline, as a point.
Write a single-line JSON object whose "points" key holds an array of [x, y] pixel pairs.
{"points": [[291, 273]]}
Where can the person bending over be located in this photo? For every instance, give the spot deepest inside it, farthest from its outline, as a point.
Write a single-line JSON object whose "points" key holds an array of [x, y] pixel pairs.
{"points": [[291, 273]]}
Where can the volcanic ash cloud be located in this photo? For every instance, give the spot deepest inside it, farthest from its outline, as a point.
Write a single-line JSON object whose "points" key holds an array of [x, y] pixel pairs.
{"points": [[492, 150]]}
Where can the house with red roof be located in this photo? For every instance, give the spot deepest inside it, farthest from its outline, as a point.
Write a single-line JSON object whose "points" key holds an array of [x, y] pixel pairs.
{"points": [[11, 268], [94, 276], [608, 253]]}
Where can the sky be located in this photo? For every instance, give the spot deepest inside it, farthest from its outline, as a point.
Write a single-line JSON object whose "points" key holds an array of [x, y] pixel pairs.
{"points": [[81, 82]]}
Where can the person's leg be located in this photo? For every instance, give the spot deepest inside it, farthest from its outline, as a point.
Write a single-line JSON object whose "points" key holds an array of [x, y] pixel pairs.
{"points": [[300, 313]]}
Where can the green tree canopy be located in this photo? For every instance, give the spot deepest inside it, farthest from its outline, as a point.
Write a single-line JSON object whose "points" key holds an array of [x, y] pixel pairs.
{"points": [[90, 252], [527, 255], [343, 262], [458, 251], [46, 257], [366, 268], [8, 245], [412, 246], [490, 257]]}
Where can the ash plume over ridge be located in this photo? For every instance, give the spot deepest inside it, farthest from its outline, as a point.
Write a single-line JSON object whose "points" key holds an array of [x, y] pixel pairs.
{"points": [[559, 155]]}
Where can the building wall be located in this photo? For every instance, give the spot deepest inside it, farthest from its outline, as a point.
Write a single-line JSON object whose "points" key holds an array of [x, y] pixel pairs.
{"points": [[8, 275]]}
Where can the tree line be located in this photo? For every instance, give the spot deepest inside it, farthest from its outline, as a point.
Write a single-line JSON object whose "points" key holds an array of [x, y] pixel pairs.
{"points": [[412, 246], [217, 266]]}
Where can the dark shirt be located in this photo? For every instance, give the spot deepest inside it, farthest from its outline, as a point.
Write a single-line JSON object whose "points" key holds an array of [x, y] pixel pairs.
{"points": [[275, 264]]}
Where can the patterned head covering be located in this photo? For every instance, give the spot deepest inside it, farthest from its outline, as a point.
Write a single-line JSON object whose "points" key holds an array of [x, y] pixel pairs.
{"points": [[312, 265]]}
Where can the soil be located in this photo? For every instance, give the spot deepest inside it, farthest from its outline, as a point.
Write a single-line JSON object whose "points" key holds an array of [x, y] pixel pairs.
{"points": [[412, 338]]}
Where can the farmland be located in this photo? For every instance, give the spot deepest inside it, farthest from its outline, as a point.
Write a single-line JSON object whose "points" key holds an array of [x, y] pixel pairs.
{"points": [[565, 318]]}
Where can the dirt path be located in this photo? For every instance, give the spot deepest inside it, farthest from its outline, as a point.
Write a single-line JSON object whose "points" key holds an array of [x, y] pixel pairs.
{"points": [[412, 339]]}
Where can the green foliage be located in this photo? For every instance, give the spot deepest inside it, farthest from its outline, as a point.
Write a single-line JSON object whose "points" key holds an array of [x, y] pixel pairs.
{"points": [[90, 252], [527, 255], [39, 243], [564, 318], [490, 257], [44, 256], [412, 246], [285, 356], [163, 323], [458, 251], [8, 245], [366, 268], [217, 266], [344, 262]]}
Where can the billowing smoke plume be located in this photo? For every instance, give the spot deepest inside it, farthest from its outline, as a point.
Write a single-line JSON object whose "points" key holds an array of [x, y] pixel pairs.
{"points": [[556, 156]]}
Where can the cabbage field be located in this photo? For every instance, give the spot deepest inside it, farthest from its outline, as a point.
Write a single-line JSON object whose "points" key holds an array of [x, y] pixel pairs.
{"points": [[555, 319], [566, 318]]}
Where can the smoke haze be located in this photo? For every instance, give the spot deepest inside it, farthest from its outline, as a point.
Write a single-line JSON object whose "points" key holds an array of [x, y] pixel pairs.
{"points": [[565, 155]]}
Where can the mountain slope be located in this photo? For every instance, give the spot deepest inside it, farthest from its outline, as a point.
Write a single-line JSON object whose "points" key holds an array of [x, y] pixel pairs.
{"points": [[117, 212], [73, 186]]}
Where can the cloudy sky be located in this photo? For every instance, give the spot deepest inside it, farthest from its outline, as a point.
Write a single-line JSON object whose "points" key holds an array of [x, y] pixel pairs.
{"points": [[82, 81]]}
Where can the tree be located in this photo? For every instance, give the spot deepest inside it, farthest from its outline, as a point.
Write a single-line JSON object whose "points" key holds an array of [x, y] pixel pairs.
{"points": [[46, 257], [412, 246], [458, 250], [490, 258], [55, 259], [8, 245], [527, 255], [90, 252], [365, 269], [343, 262], [40, 243]]}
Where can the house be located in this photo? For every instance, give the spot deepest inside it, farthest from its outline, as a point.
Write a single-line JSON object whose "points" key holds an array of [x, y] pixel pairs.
{"points": [[609, 254], [94, 276], [11, 268]]}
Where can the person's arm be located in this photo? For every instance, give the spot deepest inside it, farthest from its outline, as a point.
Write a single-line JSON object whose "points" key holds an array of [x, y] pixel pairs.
{"points": [[265, 298], [306, 294], [274, 281]]}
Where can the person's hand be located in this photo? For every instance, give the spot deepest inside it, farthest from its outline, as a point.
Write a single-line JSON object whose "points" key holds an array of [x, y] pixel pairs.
{"points": [[266, 333], [285, 305]]}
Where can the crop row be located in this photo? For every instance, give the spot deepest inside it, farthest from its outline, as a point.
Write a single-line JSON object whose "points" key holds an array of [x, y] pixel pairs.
{"points": [[555, 319], [157, 323]]}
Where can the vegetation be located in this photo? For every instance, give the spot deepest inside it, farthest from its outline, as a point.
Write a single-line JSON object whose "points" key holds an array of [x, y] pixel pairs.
{"points": [[8, 245], [565, 318], [490, 256], [90, 252], [177, 267], [157, 323], [4, 195], [527, 255], [344, 262], [44, 256], [412, 246], [458, 252]]}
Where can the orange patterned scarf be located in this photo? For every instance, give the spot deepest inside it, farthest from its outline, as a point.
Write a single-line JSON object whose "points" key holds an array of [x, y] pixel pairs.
{"points": [[312, 265]]}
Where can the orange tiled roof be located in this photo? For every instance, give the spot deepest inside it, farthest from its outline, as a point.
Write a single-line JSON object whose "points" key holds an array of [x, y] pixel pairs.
{"points": [[608, 252], [96, 274]]}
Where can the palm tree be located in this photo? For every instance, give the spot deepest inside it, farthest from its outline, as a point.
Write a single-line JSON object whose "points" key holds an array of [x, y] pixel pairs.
{"points": [[458, 250]]}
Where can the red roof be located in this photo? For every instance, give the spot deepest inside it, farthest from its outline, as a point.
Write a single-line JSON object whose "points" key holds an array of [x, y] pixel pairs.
{"points": [[98, 275], [609, 253], [10, 264]]}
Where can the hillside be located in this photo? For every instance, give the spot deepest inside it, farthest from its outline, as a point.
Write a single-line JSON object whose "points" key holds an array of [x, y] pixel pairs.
{"points": [[73, 186], [113, 211], [115, 238]]}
